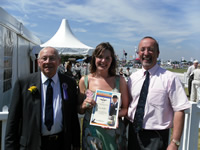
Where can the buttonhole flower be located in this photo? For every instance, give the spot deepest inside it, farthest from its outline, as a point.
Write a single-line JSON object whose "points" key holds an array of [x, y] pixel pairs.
{"points": [[33, 89]]}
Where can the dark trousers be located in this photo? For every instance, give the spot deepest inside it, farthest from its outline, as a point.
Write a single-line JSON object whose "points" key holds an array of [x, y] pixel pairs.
{"points": [[190, 84], [147, 139], [53, 142]]}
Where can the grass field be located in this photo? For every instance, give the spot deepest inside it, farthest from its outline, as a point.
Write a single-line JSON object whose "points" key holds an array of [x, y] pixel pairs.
{"points": [[178, 70]]}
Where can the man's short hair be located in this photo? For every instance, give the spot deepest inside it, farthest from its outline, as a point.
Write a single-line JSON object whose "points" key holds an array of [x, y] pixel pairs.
{"points": [[115, 96], [56, 52]]}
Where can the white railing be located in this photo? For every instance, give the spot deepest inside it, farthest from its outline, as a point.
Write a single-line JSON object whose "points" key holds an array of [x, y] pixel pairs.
{"points": [[3, 118], [189, 140]]}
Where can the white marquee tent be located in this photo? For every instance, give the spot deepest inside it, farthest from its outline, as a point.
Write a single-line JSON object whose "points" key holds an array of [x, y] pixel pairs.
{"points": [[65, 42]]}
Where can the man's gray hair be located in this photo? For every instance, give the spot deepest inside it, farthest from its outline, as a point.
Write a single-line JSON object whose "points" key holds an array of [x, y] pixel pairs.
{"points": [[156, 43], [56, 52]]}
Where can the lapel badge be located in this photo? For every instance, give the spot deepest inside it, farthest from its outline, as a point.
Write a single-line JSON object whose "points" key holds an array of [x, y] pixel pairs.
{"points": [[65, 94]]}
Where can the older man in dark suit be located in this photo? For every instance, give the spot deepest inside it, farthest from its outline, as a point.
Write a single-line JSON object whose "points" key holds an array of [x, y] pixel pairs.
{"points": [[42, 114]]}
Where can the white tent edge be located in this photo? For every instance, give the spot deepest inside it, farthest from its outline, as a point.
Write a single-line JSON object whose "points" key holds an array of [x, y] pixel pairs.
{"points": [[67, 51], [65, 42]]}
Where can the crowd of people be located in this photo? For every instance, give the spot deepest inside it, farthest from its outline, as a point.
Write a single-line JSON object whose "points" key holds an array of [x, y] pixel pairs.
{"points": [[73, 70], [43, 114]]}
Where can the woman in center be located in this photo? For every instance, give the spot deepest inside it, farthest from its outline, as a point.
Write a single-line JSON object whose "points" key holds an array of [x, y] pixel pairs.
{"points": [[102, 77]]}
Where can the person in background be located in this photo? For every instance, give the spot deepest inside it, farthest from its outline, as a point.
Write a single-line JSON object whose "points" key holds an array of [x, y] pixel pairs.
{"points": [[157, 103], [77, 72], [68, 67], [128, 73], [61, 69], [42, 114], [102, 77], [78, 75], [121, 73], [190, 75], [195, 84], [85, 69]]}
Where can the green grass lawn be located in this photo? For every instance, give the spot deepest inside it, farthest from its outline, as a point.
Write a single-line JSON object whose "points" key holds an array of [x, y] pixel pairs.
{"points": [[178, 70]]}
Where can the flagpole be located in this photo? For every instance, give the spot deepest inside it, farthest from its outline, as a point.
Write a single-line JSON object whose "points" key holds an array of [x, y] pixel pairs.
{"points": [[135, 51]]}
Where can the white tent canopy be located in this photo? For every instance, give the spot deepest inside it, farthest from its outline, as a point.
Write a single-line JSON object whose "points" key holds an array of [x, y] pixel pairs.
{"points": [[65, 42]]}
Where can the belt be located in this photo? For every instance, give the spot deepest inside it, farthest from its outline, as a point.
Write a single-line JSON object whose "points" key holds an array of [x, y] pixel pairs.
{"points": [[53, 137], [162, 131]]}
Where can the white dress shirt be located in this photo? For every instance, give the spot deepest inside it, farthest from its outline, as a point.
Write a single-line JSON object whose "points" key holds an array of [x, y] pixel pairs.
{"points": [[195, 84], [190, 71], [196, 73], [57, 105], [165, 95]]}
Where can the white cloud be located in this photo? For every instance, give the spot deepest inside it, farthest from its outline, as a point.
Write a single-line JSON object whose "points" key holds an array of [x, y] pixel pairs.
{"points": [[176, 41], [79, 30]]}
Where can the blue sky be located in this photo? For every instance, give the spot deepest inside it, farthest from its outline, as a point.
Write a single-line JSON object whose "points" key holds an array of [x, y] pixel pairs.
{"points": [[174, 23]]}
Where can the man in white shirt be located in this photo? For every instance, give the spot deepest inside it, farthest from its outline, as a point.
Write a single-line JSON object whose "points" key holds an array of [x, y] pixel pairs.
{"points": [[190, 75], [165, 103], [195, 84]]}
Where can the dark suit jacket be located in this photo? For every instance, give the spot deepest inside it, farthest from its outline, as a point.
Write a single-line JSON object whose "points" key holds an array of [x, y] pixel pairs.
{"points": [[24, 120], [113, 110]]}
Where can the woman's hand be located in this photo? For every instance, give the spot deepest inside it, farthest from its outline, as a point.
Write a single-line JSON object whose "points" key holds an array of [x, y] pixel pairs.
{"points": [[88, 103]]}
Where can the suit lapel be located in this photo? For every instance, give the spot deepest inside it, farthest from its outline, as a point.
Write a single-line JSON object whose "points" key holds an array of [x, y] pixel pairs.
{"points": [[36, 80], [64, 87], [61, 79], [66, 107], [61, 82]]}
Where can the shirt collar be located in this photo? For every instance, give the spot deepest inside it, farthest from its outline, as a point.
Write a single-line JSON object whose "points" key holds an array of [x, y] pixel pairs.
{"points": [[114, 103], [45, 78], [151, 71]]}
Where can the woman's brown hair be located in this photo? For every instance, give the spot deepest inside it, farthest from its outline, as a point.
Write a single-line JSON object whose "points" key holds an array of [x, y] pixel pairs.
{"points": [[98, 51]]}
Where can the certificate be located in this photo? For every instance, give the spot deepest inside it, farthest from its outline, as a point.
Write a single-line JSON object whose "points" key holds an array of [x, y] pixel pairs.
{"points": [[105, 112]]}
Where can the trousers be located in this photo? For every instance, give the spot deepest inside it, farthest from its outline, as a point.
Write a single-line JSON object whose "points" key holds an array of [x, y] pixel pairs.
{"points": [[190, 84], [193, 96], [147, 139]]}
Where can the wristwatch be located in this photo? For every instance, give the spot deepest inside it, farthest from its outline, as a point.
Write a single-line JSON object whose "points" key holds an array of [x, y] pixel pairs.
{"points": [[176, 142]]}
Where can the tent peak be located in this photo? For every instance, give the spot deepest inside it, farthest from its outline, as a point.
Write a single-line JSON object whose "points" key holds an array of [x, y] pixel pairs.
{"points": [[64, 37], [65, 42]]}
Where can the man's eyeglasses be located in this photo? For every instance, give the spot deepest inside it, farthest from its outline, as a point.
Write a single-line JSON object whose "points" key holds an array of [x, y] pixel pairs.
{"points": [[51, 58]]}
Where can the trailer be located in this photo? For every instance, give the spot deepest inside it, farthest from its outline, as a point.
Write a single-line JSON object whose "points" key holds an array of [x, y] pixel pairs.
{"points": [[16, 57]]}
